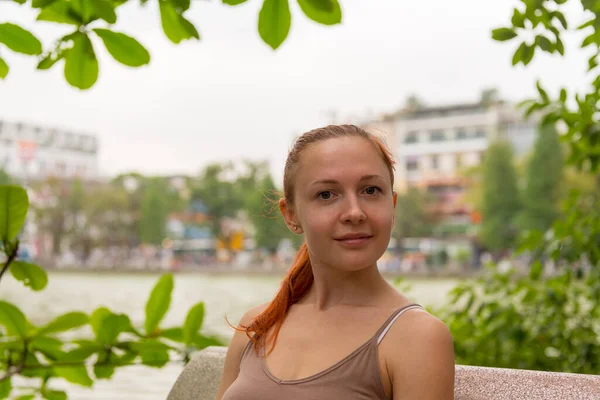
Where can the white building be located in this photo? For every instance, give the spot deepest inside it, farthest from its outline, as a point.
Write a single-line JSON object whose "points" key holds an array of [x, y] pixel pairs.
{"points": [[29, 152], [437, 143]]}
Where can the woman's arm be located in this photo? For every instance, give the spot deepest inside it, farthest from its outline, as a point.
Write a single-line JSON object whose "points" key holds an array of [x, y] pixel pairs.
{"points": [[421, 363], [234, 351]]}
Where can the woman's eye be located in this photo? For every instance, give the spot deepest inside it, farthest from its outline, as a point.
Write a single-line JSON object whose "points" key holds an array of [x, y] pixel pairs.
{"points": [[371, 190], [326, 195]]}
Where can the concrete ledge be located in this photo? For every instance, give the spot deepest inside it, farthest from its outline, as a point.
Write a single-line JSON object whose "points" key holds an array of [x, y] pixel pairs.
{"points": [[201, 377]]}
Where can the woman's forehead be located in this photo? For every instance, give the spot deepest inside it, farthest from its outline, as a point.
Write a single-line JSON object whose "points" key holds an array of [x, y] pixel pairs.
{"points": [[341, 159]]}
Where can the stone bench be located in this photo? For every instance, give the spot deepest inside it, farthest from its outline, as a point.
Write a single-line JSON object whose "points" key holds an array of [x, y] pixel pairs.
{"points": [[201, 377]]}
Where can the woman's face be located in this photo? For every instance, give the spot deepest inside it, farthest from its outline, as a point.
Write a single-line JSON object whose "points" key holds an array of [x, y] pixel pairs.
{"points": [[344, 202]]}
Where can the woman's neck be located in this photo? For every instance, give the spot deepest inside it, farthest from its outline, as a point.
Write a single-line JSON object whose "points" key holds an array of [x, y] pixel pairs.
{"points": [[334, 286]]}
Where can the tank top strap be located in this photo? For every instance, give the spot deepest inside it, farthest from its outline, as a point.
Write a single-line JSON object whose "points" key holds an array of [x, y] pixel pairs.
{"points": [[390, 321]]}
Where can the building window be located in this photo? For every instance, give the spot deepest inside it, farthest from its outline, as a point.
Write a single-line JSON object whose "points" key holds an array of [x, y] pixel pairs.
{"points": [[434, 162], [480, 133], [461, 134], [411, 137], [412, 165], [437, 136]]}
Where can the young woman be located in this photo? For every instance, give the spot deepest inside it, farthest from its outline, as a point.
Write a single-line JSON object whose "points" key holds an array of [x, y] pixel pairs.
{"points": [[336, 329]]}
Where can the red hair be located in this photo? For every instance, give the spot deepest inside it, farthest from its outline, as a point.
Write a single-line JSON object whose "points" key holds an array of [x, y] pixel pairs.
{"points": [[300, 275]]}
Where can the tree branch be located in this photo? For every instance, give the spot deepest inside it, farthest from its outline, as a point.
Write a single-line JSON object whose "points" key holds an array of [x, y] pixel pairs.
{"points": [[11, 257]]}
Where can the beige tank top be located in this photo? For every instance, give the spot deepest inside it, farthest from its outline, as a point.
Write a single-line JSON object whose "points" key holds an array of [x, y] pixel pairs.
{"points": [[356, 377]]}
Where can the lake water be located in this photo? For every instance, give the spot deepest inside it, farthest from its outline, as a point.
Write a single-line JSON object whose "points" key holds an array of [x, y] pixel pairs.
{"points": [[223, 295]]}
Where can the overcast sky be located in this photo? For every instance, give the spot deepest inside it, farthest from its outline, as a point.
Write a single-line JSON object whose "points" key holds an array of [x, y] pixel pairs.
{"points": [[230, 96]]}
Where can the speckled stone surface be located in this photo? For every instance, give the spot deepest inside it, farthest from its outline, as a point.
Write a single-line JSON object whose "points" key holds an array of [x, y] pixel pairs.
{"points": [[201, 377], [477, 383]]}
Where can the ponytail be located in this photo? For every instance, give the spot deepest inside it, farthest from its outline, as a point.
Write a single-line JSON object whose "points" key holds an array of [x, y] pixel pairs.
{"points": [[294, 286]]}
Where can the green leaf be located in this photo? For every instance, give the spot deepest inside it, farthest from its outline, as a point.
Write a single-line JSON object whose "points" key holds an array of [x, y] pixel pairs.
{"points": [[14, 203], [13, 320], [20, 1], [105, 9], [158, 302], [30, 274], [3, 68], [109, 329], [108, 370], [51, 59], [202, 342], [54, 394], [75, 374], [26, 397], [48, 346], [274, 22], [19, 40], [193, 322], [587, 24], [82, 353], [41, 3], [153, 353], [544, 43], [518, 19], [528, 52], [181, 5], [65, 322], [175, 26], [518, 54], [536, 270], [542, 92], [81, 64], [234, 2], [61, 12], [589, 40], [174, 334], [561, 18], [123, 48], [560, 46], [5, 388], [503, 34], [97, 318], [593, 62], [563, 95], [327, 12], [108, 326]]}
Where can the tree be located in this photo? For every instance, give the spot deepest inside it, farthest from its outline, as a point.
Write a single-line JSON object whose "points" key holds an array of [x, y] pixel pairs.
{"points": [[217, 189], [558, 315], [411, 218], [154, 212], [543, 182], [500, 200], [92, 20], [263, 208]]}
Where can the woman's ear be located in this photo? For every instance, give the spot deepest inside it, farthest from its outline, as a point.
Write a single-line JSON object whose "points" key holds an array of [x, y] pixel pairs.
{"points": [[289, 216]]}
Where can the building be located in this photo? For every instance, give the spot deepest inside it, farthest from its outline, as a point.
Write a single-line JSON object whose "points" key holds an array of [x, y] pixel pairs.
{"points": [[29, 152], [434, 146], [438, 143]]}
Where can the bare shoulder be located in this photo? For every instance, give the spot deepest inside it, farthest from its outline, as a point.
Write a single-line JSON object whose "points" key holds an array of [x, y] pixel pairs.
{"points": [[419, 354], [252, 313], [231, 368]]}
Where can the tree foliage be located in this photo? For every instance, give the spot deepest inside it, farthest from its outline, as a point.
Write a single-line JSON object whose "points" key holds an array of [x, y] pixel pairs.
{"points": [[92, 22], [542, 192], [500, 199], [545, 321]]}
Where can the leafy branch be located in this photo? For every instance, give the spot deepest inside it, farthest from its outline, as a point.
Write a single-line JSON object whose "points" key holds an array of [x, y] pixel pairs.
{"points": [[40, 352], [93, 19]]}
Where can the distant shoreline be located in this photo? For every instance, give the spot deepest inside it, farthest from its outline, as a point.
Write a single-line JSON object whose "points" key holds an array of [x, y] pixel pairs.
{"points": [[227, 271]]}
